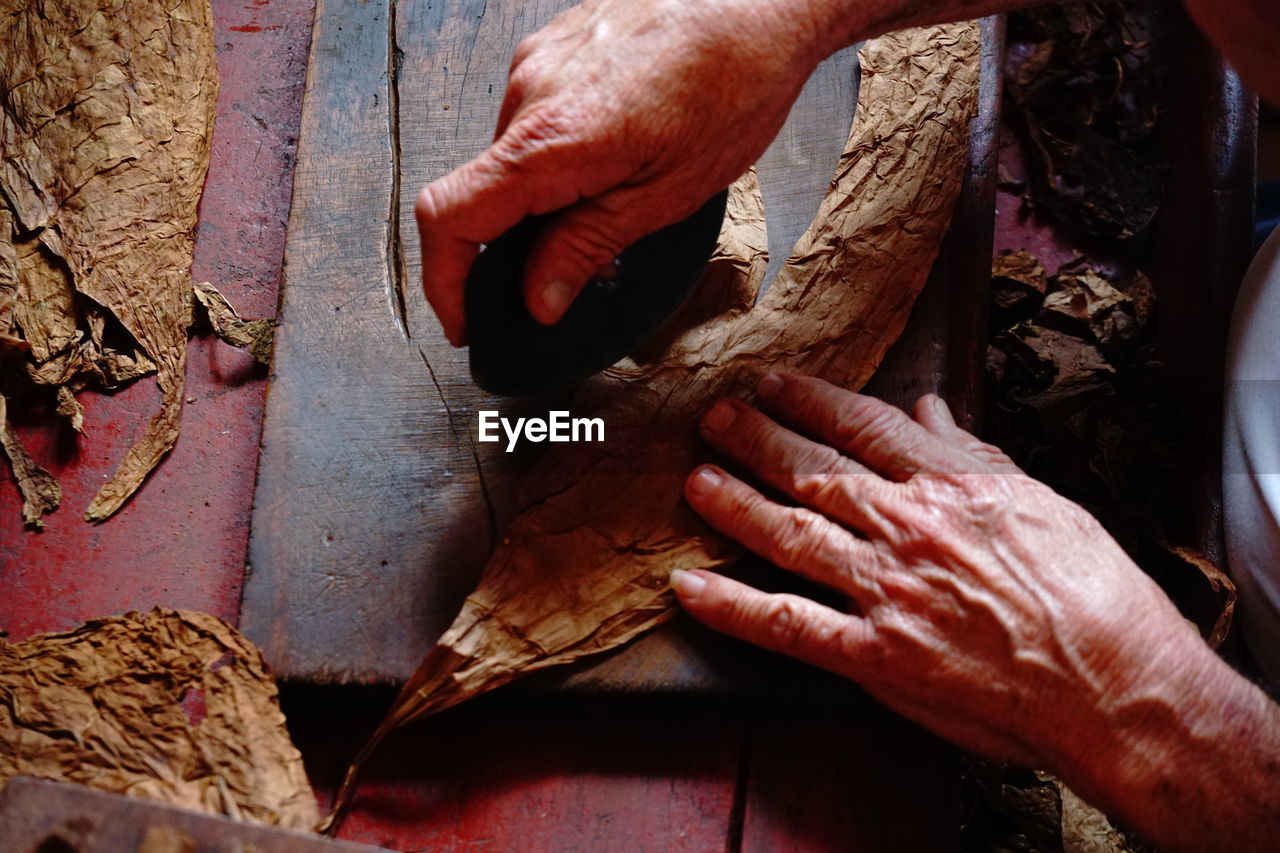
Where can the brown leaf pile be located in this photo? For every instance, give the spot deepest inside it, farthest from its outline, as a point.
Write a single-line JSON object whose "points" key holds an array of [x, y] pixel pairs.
{"points": [[585, 566], [1080, 400], [1084, 90], [1008, 809], [105, 130], [170, 705]]}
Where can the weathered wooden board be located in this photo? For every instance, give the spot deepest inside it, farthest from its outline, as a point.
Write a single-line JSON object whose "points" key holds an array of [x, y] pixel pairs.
{"points": [[375, 510], [44, 815], [862, 781], [563, 775]]}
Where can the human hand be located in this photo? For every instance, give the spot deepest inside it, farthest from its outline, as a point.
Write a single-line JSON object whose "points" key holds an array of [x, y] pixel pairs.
{"points": [[625, 116], [984, 605]]}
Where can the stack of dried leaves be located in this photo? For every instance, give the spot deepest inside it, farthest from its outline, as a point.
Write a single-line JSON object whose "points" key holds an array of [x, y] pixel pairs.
{"points": [[105, 129], [585, 565], [1008, 809], [1080, 400], [170, 705], [1077, 397], [1083, 91]]}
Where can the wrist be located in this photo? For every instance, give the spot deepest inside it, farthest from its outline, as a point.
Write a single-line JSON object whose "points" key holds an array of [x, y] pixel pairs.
{"points": [[803, 31], [1158, 749], [831, 25]]}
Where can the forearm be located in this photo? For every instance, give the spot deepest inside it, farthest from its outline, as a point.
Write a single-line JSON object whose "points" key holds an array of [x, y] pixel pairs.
{"points": [[1192, 760], [839, 23], [1247, 32]]}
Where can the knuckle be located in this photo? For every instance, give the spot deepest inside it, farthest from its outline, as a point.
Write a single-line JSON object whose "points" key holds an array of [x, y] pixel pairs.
{"points": [[989, 453], [814, 487], [539, 133], [784, 621], [818, 478], [925, 524], [862, 420], [426, 207], [527, 75], [743, 513], [526, 48], [797, 543], [979, 489], [594, 240]]}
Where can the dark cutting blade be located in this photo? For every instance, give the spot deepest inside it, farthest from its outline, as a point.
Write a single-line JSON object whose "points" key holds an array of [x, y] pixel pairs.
{"points": [[514, 354]]}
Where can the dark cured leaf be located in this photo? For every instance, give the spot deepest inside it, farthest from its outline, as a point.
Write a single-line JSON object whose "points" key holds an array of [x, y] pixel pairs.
{"points": [[1083, 98]]}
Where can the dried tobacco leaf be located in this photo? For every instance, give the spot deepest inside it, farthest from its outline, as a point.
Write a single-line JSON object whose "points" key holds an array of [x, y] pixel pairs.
{"points": [[1085, 303], [1087, 830], [1011, 809], [255, 335], [1203, 592], [1017, 281], [171, 705], [40, 491], [1085, 98], [69, 407], [1075, 369], [104, 143], [1008, 809], [729, 284], [584, 567]]}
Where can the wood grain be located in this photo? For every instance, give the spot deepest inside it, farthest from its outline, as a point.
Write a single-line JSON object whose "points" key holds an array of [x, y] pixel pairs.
{"points": [[862, 781], [1201, 248], [362, 489], [570, 776], [375, 509]]}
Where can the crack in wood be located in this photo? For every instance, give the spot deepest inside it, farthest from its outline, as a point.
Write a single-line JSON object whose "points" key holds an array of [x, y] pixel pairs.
{"points": [[475, 454], [396, 268]]}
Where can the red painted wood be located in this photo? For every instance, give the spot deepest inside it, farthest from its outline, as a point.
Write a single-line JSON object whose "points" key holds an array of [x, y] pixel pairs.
{"points": [[863, 780], [633, 775], [182, 540], [502, 782]]}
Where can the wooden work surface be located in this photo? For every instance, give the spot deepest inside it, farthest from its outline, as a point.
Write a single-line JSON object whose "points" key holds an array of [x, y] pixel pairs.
{"points": [[375, 509], [497, 774], [625, 776]]}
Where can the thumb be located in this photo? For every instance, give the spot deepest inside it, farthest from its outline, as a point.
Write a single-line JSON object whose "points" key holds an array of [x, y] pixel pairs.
{"points": [[581, 240]]}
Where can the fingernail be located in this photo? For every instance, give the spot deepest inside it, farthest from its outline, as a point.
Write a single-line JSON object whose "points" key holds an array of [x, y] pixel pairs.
{"points": [[704, 481], [556, 296], [720, 417], [768, 385], [687, 584]]}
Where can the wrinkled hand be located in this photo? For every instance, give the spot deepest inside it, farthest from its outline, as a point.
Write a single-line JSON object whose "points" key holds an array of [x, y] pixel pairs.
{"points": [[625, 115], [983, 605]]}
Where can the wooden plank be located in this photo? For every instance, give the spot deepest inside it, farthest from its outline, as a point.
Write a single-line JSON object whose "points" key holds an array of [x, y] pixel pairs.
{"points": [[360, 474], [566, 774], [862, 781], [1201, 248], [45, 815], [375, 510]]}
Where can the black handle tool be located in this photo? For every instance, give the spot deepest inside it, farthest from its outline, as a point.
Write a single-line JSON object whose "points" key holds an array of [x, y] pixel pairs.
{"points": [[514, 354]]}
